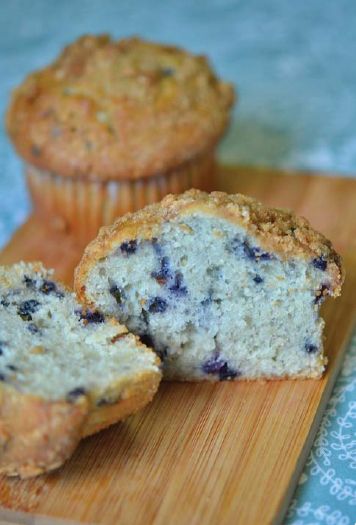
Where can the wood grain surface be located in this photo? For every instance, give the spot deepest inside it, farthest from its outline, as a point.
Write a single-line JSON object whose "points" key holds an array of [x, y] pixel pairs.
{"points": [[228, 453]]}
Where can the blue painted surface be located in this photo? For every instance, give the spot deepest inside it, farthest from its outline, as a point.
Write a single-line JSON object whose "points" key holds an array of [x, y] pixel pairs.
{"points": [[294, 65]]}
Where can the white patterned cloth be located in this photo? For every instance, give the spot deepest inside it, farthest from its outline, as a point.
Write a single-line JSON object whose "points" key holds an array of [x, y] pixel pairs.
{"points": [[326, 491], [294, 64]]}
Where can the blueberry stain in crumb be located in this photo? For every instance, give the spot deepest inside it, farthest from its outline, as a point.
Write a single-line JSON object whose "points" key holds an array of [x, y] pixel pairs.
{"points": [[210, 300], [178, 287], [213, 365], [163, 273], [33, 328], [156, 246], [310, 348], [218, 366], [92, 317], [242, 247], [207, 302], [117, 293], [320, 263], [128, 247], [74, 394], [226, 373], [13, 368], [2, 377], [30, 283], [165, 276], [320, 297], [48, 287], [255, 253], [157, 305], [4, 303], [235, 245], [27, 308]]}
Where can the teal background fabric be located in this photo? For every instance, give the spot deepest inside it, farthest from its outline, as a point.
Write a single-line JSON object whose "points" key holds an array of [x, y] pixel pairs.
{"points": [[295, 69]]}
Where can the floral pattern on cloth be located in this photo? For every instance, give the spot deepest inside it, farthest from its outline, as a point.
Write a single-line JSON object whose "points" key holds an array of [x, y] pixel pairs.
{"points": [[326, 492]]}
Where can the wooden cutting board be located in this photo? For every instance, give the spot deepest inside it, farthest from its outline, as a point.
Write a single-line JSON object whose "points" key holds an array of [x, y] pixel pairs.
{"points": [[227, 453]]}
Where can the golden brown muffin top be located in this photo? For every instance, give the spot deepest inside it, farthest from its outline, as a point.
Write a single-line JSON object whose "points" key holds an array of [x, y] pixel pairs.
{"points": [[276, 230], [118, 109]]}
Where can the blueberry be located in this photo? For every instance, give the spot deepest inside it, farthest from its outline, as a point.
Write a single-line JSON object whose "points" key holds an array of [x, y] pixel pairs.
{"points": [[206, 302], [147, 340], [74, 394], [33, 328], [235, 245], [163, 273], [4, 302], [157, 247], [27, 308], [320, 297], [255, 253], [2, 347], [165, 269], [258, 279], [92, 317], [30, 283], [177, 287], [320, 263], [157, 305], [128, 247], [226, 373], [2, 377], [48, 287], [167, 71], [213, 365], [310, 348], [216, 365], [243, 247], [263, 256], [117, 293]]}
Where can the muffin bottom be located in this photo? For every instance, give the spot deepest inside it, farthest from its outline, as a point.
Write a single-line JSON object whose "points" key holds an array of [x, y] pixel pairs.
{"points": [[79, 206]]}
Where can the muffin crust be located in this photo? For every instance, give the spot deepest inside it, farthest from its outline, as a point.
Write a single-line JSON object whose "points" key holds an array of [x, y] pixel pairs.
{"points": [[113, 110], [276, 230]]}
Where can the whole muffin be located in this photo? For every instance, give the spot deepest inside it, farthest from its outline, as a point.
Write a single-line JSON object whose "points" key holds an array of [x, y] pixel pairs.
{"points": [[111, 126]]}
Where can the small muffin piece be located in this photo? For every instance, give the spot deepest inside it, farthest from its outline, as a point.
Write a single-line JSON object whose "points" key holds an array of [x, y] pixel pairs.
{"points": [[113, 125], [65, 372], [221, 286]]}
